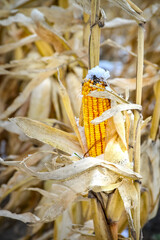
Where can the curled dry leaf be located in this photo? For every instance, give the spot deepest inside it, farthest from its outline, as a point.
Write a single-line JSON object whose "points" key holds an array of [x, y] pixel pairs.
{"points": [[74, 91], [108, 93], [24, 217], [128, 194], [13, 184], [39, 107], [151, 174], [78, 178], [131, 9], [10, 127], [70, 114], [45, 33], [118, 22], [52, 136], [76, 168], [114, 152], [24, 41], [56, 199], [18, 18], [112, 111], [119, 122], [130, 83], [50, 70], [150, 11]]}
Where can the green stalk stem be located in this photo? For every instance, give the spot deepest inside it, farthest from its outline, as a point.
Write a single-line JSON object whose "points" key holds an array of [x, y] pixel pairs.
{"points": [[137, 125]]}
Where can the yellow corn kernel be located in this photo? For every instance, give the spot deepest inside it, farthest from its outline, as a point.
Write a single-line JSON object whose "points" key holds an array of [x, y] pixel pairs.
{"points": [[92, 108]]}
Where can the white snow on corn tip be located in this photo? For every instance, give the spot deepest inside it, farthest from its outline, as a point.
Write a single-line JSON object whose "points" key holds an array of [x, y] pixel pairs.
{"points": [[37, 16], [99, 73]]}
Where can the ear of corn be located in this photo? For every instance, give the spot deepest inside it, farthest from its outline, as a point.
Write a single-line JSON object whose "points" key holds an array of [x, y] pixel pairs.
{"points": [[92, 108]]}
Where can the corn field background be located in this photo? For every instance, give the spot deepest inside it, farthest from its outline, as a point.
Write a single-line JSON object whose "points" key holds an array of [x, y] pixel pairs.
{"points": [[52, 187]]}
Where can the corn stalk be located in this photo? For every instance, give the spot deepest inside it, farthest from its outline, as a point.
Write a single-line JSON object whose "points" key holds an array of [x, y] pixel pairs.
{"points": [[156, 113], [101, 231], [94, 41], [137, 125]]}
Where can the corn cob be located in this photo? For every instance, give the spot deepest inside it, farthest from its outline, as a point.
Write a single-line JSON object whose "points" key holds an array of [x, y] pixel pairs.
{"points": [[92, 108]]}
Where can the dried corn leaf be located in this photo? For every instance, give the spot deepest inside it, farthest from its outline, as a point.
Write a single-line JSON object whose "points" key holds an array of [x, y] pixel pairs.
{"points": [[70, 114], [39, 107], [55, 98], [11, 127], [63, 222], [47, 34], [50, 70], [151, 173], [128, 194], [119, 122], [74, 90], [18, 3], [24, 217], [130, 83], [150, 11], [57, 124], [115, 153], [18, 18], [118, 22], [108, 93], [78, 178], [75, 169], [131, 9], [13, 184], [114, 110], [24, 41], [52, 136]]}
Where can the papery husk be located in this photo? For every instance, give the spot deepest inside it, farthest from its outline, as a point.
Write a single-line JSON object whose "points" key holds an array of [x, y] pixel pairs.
{"points": [[151, 176]]}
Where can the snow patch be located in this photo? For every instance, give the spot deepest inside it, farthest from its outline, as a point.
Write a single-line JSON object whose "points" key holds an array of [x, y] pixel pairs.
{"points": [[37, 16], [99, 73]]}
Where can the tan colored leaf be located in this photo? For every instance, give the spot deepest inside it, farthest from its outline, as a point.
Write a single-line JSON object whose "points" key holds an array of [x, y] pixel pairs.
{"points": [[18, 18], [50, 70], [11, 46], [55, 98], [118, 22], [39, 107], [74, 91], [114, 110], [128, 194], [114, 152], [108, 93], [69, 111], [47, 34], [131, 9], [151, 173], [52, 136], [76, 169], [24, 217], [119, 122]]}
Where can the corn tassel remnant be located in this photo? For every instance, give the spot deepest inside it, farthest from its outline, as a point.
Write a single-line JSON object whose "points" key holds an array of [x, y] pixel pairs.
{"points": [[92, 108]]}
